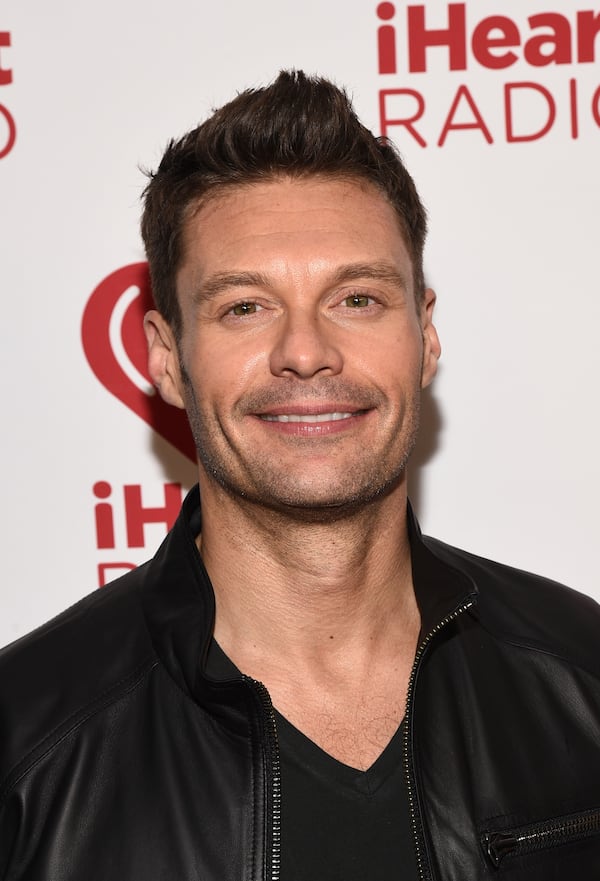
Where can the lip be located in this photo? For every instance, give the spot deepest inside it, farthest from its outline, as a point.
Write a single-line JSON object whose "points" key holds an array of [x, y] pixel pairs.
{"points": [[310, 408]]}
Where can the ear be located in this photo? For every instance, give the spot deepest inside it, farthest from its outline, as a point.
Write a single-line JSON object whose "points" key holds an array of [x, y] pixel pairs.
{"points": [[431, 344], [163, 358]]}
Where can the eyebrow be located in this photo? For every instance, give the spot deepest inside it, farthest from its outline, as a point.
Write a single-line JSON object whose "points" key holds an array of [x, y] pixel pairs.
{"points": [[377, 271], [223, 281]]}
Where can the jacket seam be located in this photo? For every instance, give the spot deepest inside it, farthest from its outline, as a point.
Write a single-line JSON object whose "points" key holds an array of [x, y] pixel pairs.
{"points": [[535, 646], [70, 724]]}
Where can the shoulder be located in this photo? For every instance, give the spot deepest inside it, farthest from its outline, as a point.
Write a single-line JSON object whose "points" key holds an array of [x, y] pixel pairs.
{"points": [[65, 670], [528, 609]]}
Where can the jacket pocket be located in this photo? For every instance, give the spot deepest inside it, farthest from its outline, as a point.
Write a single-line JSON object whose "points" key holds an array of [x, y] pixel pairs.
{"points": [[521, 840]]}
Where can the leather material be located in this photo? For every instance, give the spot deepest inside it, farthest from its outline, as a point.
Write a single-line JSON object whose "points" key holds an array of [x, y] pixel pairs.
{"points": [[120, 759]]}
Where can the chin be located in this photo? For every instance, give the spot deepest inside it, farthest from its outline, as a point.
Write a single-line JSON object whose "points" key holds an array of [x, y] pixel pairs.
{"points": [[310, 504]]}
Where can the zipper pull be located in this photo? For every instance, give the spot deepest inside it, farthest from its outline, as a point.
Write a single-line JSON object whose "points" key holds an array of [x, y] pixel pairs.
{"points": [[498, 844]]}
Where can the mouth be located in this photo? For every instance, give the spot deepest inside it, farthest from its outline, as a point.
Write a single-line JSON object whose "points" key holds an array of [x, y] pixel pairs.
{"points": [[308, 417], [312, 421]]}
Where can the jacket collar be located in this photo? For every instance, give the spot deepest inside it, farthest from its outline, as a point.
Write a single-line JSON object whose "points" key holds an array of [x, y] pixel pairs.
{"points": [[440, 587]]}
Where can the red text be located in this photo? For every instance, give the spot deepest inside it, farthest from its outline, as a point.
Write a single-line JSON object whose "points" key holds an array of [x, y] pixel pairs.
{"points": [[8, 128], [137, 515], [495, 42], [529, 112], [121, 522]]}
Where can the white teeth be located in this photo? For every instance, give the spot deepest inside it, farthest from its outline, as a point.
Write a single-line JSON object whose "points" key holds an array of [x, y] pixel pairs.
{"points": [[309, 417]]}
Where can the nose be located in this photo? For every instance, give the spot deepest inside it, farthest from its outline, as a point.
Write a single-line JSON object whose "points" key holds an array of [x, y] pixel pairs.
{"points": [[305, 347]]}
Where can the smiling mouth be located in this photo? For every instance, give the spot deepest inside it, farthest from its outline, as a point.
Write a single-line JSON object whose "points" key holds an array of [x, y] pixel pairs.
{"points": [[308, 417]]}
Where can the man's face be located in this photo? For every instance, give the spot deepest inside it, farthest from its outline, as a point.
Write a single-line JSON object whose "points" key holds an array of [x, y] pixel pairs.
{"points": [[303, 352]]}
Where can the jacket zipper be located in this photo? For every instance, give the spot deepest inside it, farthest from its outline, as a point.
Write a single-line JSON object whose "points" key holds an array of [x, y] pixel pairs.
{"points": [[271, 728], [422, 867], [537, 836], [275, 767]]}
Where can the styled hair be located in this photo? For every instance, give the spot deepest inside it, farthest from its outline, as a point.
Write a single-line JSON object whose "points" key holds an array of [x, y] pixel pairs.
{"points": [[296, 127]]}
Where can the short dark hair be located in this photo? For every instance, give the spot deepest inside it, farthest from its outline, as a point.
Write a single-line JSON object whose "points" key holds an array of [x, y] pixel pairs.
{"points": [[295, 127]]}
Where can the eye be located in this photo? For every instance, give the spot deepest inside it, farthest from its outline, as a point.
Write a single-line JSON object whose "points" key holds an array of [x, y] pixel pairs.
{"points": [[358, 301], [245, 308]]}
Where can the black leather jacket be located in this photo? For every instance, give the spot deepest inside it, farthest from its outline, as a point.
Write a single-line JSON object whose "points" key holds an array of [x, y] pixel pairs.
{"points": [[121, 761]]}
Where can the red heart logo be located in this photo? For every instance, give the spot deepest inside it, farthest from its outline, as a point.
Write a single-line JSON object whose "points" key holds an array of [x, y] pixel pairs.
{"points": [[115, 347]]}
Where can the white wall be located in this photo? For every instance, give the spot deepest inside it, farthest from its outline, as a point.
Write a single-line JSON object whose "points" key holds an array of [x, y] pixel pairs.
{"points": [[509, 455]]}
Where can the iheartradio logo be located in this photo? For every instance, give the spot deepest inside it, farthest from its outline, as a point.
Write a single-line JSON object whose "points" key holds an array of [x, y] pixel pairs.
{"points": [[423, 38], [115, 347]]}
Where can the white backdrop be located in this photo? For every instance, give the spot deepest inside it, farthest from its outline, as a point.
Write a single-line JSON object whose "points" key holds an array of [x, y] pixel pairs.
{"points": [[508, 461]]}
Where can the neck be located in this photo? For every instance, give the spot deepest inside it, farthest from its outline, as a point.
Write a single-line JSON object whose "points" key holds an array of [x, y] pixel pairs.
{"points": [[303, 593]]}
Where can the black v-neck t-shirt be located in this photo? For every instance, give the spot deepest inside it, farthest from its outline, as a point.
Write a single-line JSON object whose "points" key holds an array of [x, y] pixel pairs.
{"points": [[341, 824], [338, 823]]}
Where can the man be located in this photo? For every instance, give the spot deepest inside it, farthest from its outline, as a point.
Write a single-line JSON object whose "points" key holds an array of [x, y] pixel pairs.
{"points": [[299, 685]]}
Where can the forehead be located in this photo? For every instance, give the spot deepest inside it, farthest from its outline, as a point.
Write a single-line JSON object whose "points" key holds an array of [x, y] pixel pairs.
{"points": [[308, 221]]}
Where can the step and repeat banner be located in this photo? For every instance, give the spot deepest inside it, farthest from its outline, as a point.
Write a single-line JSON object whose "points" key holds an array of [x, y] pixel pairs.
{"points": [[495, 107]]}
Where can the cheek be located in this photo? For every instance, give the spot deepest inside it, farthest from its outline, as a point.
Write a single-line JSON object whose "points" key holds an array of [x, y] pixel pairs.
{"points": [[392, 361], [226, 369], [251, 364]]}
